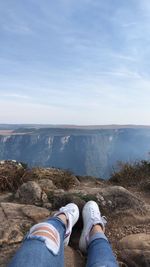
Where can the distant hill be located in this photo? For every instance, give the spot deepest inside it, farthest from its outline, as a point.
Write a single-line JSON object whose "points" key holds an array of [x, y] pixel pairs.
{"points": [[68, 126]]}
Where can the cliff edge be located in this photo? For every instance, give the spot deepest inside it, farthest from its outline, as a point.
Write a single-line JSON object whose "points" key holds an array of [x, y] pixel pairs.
{"points": [[28, 196]]}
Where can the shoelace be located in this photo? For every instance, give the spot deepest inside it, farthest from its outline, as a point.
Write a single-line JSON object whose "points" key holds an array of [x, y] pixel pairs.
{"points": [[94, 214], [97, 216]]}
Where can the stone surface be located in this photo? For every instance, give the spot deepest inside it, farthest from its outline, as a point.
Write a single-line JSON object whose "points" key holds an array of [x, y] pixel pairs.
{"points": [[117, 198], [30, 193], [111, 198], [135, 250], [16, 219], [12, 210], [46, 185], [6, 197], [10, 233], [2, 215], [35, 213], [6, 253], [127, 212], [73, 258]]}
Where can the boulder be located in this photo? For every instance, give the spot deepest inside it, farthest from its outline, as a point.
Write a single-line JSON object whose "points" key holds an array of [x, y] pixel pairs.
{"points": [[46, 185], [117, 198], [135, 250], [36, 214], [60, 178], [10, 233], [16, 219], [111, 198], [30, 193], [13, 211]]}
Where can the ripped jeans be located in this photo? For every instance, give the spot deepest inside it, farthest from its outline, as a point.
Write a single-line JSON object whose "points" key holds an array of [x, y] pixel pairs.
{"points": [[37, 251]]}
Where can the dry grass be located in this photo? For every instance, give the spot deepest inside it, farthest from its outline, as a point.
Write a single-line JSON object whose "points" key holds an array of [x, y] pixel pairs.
{"points": [[10, 176], [65, 181], [61, 179], [136, 174]]}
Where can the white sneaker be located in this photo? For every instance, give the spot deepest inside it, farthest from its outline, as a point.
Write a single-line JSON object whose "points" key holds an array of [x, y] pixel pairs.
{"points": [[91, 216], [71, 211]]}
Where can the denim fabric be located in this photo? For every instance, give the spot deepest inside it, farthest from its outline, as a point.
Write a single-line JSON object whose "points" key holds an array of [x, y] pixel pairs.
{"points": [[100, 253], [34, 253]]}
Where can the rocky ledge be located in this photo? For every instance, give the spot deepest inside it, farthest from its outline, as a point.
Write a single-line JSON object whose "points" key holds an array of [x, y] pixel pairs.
{"points": [[30, 196]]}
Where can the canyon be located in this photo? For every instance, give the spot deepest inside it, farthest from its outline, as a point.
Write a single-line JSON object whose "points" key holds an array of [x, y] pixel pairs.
{"points": [[91, 151]]}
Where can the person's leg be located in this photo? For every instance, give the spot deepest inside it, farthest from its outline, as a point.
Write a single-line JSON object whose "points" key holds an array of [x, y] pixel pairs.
{"points": [[34, 251], [44, 244], [93, 240], [99, 251]]}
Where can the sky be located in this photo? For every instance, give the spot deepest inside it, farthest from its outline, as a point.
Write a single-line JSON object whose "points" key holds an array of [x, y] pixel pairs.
{"points": [[83, 62]]}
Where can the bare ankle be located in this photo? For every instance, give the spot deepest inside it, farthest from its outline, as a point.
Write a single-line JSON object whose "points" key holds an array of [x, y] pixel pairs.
{"points": [[96, 229], [63, 218]]}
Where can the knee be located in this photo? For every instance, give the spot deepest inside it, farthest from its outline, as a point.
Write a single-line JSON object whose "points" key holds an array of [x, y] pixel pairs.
{"points": [[48, 234]]}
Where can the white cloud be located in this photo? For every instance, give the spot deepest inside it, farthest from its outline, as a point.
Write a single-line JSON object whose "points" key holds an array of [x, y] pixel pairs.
{"points": [[129, 24], [14, 95], [124, 57], [19, 29]]}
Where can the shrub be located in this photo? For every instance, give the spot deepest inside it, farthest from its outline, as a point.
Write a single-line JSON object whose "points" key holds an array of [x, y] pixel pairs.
{"points": [[64, 181], [10, 176], [86, 197], [137, 173]]}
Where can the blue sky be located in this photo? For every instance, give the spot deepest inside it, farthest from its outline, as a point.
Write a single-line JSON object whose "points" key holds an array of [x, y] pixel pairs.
{"points": [[75, 62]]}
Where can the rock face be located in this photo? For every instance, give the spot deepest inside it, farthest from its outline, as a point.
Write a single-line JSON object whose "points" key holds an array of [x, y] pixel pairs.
{"points": [[135, 249], [127, 211], [46, 184], [85, 152], [119, 199], [29, 192], [15, 221]]}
